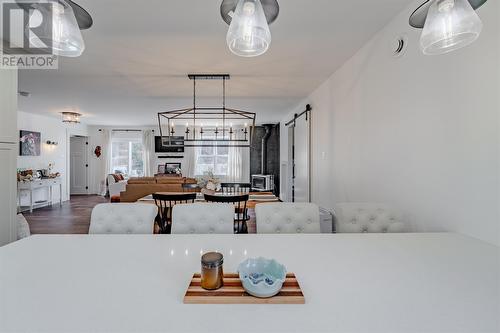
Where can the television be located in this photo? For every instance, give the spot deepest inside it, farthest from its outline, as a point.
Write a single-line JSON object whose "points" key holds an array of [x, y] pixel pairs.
{"points": [[172, 144]]}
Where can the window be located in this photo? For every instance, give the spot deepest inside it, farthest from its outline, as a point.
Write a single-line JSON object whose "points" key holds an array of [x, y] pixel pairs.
{"points": [[127, 157], [214, 159]]}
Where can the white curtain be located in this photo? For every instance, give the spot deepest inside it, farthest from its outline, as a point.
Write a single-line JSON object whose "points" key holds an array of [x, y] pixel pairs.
{"points": [[188, 164], [149, 158], [238, 165], [105, 165]]}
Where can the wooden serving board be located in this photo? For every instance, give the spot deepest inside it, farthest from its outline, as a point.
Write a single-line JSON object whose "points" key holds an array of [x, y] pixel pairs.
{"points": [[233, 293]]}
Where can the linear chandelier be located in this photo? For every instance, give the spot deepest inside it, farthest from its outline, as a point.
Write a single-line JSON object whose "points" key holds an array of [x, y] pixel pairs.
{"points": [[207, 126]]}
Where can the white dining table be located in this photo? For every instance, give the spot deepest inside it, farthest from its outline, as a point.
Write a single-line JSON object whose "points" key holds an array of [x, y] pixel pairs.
{"points": [[434, 282]]}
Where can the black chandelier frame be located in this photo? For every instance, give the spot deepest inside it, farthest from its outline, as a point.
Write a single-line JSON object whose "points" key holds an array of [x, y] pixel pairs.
{"points": [[229, 137]]}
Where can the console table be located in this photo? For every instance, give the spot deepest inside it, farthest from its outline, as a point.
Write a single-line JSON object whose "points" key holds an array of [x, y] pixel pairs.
{"points": [[36, 185]]}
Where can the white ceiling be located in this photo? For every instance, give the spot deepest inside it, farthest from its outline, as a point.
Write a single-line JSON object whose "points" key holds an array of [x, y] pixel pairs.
{"points": [[139, 52]]}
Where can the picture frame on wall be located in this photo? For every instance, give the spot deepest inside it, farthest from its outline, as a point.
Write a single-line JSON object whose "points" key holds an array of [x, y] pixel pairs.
{"points": [[29, 143]]}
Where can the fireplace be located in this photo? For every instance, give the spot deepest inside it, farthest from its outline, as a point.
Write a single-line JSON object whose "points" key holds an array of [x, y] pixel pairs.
{"points": [[264, 181]]}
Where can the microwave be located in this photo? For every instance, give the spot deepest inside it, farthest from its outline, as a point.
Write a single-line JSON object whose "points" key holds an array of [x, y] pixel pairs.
{"points": [[263, 183]]}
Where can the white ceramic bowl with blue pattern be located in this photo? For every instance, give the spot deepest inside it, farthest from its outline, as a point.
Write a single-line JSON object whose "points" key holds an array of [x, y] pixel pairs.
{"points": [[262, 277]]}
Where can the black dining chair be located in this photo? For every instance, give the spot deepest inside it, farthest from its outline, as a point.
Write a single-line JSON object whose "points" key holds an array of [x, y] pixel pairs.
{"points": [[236, 188], [165, 203], [240, 209], [190, 187]]}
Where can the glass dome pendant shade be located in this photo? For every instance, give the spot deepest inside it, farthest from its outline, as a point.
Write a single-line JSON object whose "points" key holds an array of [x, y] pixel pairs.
{"points": [[65, 37], [450, 25], [249, 34]]}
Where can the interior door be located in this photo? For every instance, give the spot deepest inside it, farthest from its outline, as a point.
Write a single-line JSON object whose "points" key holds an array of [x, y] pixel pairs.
{"points": [[290, 166], [301, 159], [78, 165]]}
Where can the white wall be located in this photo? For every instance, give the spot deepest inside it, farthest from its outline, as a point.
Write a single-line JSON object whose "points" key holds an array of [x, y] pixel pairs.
{"points": [[51, 128], [419, 132]]}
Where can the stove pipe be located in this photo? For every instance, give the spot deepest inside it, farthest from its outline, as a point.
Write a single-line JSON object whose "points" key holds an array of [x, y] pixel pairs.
{"points": [[268, 128]]}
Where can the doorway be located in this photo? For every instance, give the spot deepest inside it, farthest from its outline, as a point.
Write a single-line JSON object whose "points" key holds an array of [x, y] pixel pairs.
{"points": [[79, 165], [299, 138]]}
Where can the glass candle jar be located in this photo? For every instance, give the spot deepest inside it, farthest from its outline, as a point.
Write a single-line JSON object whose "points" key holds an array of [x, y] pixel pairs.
{"points": [[211, 271]]}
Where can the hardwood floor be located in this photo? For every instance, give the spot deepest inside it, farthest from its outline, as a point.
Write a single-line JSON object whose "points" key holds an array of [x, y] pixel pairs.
{"points": [[73, 217]]}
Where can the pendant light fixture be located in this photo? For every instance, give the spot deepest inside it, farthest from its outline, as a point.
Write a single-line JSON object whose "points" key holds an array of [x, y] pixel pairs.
{"points": [[249, 34], [447, 25], [64, 34], [71, 117]]}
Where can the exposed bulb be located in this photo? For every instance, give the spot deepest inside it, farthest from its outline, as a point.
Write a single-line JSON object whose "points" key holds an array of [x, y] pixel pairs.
{"points": [[446, 5], [450, 25], [249, 8]]}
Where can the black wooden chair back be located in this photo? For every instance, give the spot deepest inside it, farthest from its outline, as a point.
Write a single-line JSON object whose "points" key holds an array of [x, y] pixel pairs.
{"points": [[236, 188], [240, 209], [165, 203]]}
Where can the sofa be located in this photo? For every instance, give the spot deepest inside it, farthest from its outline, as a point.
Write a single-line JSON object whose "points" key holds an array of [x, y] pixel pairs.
{"points": [[116, 184], [137, 188]]}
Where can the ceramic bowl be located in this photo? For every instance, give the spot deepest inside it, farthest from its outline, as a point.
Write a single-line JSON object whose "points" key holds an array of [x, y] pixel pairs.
{"points": [[262, 277]]}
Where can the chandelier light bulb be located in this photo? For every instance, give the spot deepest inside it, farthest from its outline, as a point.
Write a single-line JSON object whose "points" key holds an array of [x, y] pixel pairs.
{"points": [[450, 25], [249, 34]]}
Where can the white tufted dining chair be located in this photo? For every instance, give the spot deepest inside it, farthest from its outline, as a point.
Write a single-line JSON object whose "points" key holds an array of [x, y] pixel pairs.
{"points": [[203, 218], [23, 228], [287, 218], [123, 218], [367, 217]]}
